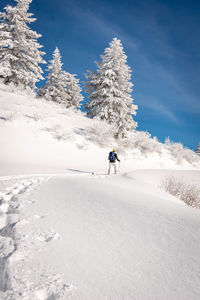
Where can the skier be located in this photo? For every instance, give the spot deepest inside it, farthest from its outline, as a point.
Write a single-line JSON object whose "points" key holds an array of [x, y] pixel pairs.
{"points": [[112, 161]]}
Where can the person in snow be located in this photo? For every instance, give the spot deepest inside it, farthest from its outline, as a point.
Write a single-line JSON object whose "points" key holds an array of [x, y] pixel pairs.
{"points": [[112, 161]]}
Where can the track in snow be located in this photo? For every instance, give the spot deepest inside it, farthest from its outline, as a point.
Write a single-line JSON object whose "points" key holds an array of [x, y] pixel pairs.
{"points": [[110, 237], [16, 280]]}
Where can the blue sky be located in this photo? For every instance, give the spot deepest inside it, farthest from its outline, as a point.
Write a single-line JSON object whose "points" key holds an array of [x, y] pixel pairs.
{"points": [[161, 40]]}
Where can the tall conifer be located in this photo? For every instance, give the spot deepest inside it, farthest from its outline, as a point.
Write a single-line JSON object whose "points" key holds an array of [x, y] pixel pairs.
{"points": [[19, 50], [61, 86], [110, 90], [73, 90], [198, 149]]}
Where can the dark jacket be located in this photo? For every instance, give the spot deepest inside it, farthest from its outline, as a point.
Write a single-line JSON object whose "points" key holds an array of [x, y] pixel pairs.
{"points": [[115, 158]]}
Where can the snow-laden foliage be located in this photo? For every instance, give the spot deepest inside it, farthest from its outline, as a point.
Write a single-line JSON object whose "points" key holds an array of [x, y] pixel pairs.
{"points": [[198, 149], [142, 142], [110, 91], [60, 133], [19, 50], [54, 88], [73, 90], [100, 133], [181, 153], [189, 193], [61, 86]]}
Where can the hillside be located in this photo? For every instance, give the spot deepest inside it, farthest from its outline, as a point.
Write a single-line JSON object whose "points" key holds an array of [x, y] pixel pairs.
{"points": [[69, 231], [41, 136]]}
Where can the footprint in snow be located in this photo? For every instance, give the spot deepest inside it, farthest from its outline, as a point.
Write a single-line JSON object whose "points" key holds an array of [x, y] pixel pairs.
{"points": [[18, 188], [23, 222], [6, 246], [48, 236], [39, 217], [54, 288], [31, 201], [13, 206], [12, 218]]}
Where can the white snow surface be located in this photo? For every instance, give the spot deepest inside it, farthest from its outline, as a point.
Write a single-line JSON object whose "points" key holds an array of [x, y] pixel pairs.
{"points": [[69, 231]]}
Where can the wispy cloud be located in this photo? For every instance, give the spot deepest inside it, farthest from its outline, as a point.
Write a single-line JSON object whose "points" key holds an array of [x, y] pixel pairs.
{"points": [[161, 109], [148, 57]]}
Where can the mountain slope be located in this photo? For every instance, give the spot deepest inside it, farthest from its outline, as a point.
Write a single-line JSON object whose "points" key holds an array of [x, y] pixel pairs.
{"points": [[37, 135]]}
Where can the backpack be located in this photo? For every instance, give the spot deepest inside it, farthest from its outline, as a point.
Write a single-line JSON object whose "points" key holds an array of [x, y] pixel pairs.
{"points": [[111, 156]]}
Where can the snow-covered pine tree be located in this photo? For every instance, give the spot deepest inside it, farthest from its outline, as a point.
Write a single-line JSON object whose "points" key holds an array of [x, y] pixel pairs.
{"points": [[73, 90], [110, 90], [5, 43], [198, 149], [61, 86], [54, 89], [19, 50]]}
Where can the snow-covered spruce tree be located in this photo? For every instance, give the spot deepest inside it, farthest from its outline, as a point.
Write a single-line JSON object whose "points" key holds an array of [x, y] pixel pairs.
{"points": [[73, 90], [109, 91], [54, 88], [61, 86], [19, 50], [198, 149], [5, 43]]}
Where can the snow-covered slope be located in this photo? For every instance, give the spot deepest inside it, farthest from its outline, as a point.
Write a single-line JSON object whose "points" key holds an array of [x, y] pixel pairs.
{"points": [[68, 231], [41, 136], [82, 236]]}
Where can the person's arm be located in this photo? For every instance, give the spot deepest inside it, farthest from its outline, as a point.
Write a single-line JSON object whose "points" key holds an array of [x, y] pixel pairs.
{"points": [[117, 157]]}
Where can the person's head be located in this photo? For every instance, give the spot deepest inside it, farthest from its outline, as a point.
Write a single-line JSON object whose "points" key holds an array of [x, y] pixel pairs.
{"points": [[114, 150]]}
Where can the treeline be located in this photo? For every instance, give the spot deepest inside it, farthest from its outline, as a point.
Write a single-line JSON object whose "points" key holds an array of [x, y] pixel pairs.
{"points": [[109, 88]]}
